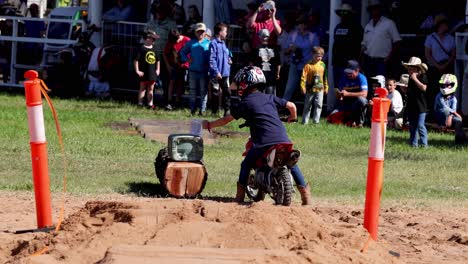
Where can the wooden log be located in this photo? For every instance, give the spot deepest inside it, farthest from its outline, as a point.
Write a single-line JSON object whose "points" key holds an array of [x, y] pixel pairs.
{"points": [[195, 255], [184, 179]]}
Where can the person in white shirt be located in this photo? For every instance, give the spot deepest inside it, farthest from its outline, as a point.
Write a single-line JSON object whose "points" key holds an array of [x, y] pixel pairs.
{"points": [[395, 115], [380, 42]]}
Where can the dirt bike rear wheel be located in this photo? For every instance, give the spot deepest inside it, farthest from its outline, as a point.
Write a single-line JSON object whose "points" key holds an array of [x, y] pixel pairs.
{"points": [[252, 191], [284, 189]]}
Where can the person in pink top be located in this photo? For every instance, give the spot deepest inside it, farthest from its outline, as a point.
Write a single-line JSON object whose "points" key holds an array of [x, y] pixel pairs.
{"points": [[265, 17]]}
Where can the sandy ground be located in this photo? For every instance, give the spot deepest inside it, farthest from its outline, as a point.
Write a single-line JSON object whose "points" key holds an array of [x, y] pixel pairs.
{"points": [[123, 229]]}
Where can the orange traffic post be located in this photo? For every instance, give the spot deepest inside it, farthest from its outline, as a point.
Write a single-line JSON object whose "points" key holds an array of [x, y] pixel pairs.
{"points": [[376, 161], [40, 168]]}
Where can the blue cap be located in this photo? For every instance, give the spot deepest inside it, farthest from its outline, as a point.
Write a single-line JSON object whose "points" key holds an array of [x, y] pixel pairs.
{"points": [[352, 66]]}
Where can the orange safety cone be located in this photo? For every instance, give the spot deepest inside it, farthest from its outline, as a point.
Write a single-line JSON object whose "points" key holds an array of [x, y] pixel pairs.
{"points": [[376, 162], [40, 170]]}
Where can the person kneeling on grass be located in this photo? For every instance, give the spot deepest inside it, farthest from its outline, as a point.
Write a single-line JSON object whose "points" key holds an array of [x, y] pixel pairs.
{"points": [[266, 129], [445, 106], [351, 96]]}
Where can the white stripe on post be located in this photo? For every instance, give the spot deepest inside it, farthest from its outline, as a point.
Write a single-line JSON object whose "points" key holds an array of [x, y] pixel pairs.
{"points": [[36, 124], [377, 144]]}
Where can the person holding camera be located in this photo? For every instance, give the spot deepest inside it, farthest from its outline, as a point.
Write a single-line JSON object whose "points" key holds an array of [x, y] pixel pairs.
{"points": [[264, 17], [300, 42]]}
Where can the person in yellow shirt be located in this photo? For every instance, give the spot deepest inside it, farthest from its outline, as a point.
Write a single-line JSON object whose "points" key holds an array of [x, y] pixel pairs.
{"points": [[314, 85]]}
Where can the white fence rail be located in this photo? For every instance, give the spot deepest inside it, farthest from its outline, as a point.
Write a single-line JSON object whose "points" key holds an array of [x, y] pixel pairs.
{"points": [[12, 45]]}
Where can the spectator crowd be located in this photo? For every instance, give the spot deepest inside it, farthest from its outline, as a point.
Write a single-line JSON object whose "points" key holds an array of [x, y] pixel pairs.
{"points": [[292, 52]]}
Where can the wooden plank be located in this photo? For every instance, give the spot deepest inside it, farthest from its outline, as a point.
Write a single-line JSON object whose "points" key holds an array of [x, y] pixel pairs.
{"points": [[181, 255], [159, 130]]}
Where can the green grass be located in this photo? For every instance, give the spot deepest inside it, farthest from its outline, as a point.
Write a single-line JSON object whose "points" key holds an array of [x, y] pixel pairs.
{"points": [[105, 160]]}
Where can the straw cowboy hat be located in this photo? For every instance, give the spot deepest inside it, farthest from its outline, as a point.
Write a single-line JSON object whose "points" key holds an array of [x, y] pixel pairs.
{"points": [[415, 62], [345, 9], [404, 78]]}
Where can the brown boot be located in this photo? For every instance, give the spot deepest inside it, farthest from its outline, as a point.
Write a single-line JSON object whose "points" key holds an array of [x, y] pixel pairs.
{"points": [[240, 193], [305, 194]]}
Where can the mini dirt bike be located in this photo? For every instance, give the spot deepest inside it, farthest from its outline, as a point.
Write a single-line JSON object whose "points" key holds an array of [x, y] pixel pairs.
{"points": [[272, 174]]}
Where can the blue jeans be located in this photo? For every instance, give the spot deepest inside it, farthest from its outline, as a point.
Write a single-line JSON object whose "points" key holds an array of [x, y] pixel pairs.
{"points": [[249, 163], [198, 84], [441, 118], [416, 124], [294, 77], [313, 101]]}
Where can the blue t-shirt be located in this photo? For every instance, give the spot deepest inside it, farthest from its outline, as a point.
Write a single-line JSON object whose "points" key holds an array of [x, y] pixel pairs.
{"points": [[353, 85], [261, 114], [199, 52]]}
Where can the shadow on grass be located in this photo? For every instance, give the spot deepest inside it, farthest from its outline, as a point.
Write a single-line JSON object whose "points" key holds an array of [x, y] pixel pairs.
{"points": [[433, 142], [157, 190]]}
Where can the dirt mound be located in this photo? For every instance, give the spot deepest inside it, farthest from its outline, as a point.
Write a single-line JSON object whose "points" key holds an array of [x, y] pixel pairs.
{"points": [[171, 230], [88, 234]]}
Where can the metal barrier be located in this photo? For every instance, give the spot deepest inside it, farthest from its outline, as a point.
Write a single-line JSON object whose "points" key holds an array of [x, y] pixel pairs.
{"points": [[461, 69], [126, 38], [125, 35], [17, 37]]}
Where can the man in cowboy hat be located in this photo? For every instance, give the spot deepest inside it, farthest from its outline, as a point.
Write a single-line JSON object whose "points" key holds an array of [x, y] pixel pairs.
{"points": [[380, 41], [347, 40]]}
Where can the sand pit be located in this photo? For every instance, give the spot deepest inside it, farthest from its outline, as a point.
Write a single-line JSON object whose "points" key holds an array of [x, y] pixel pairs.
{"points": [[122, 229]]}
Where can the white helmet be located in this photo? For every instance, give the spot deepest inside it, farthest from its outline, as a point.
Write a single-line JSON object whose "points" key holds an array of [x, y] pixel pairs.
{"points": [[448, 84], [249, 76]]}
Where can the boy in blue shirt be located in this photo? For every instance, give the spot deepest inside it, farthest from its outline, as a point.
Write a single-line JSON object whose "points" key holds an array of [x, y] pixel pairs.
{"points": [[198, 49], [220, 67], [266, 129]]}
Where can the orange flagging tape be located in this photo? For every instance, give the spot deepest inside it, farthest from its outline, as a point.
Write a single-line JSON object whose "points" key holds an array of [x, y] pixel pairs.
{"points": [[366, 245], [44, 90], [40, 252]]}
